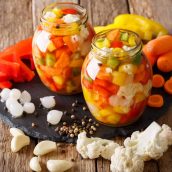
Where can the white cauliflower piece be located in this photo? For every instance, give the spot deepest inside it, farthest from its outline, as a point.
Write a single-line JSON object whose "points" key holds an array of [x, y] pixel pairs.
{"points": [[152, 142], [129, 91], [94, 147], [124, 160]]}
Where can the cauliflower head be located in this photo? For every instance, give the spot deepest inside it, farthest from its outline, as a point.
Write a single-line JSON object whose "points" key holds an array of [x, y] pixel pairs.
{"points": [[124, 160], [95, 147], [150, 143]]}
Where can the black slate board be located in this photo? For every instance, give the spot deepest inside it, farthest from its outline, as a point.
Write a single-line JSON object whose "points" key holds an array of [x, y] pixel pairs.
{"points": [[43, 131]]}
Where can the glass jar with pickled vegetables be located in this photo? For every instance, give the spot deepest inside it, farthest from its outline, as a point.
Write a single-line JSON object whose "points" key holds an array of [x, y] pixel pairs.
{"points": [[60, 45], [116, 77]]}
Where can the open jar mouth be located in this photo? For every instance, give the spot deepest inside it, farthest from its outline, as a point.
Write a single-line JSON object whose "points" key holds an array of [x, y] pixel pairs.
{"points": [[131, 52], [62, 5]]}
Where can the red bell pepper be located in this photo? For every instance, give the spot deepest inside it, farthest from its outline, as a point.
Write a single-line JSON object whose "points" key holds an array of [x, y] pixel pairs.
{"points": [[5, 84], [3, 77], [69, 11], [116, 44]]}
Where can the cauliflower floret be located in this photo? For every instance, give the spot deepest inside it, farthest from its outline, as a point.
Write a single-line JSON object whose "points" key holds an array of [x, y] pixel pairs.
{"points": [[152, 142], [94, 147], [129, 91], [124, 160]]}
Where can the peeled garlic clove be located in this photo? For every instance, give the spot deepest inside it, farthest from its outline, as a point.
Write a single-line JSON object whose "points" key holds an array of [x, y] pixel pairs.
{"points": [[34, 164], [5, 94], [59, 165], [54, 116], [48, 102], [25, 97], [45, 147], [15, 93], [18, 142], [15, 132]]}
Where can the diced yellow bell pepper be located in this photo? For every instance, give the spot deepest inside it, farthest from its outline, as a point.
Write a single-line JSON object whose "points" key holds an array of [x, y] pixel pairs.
{"points": [[119, 78], [51, 47], [57, 12], [121, 109], [106, 112], [58, 80], [128, 68], [87, 95], [113, 119]]}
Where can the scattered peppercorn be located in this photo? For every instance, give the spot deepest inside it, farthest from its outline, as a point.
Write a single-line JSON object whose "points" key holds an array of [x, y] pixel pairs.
{"points": [[90, 120], [72, 135], [72, 110], [65, 112], [64, 123], [74, 104], [84, 108], [72, 116], [33, 125]]}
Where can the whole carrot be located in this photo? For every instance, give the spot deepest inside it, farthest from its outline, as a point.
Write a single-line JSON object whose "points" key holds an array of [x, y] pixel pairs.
{"points": [[157, 47], [164, 62]]}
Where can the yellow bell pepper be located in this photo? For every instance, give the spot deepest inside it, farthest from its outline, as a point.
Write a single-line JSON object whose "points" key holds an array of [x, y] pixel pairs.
{"points": [[144, 27]]}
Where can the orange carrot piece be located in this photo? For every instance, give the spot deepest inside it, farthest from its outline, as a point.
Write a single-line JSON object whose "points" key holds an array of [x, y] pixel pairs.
{"points": [[164, 62], [168, 86], [113, 35], [73, 45], [155, 100], [158, 81], [160, 45]]}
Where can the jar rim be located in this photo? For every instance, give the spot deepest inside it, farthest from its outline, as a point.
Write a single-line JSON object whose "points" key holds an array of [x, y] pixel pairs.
{"points": [[137, 47], [76, 6]]}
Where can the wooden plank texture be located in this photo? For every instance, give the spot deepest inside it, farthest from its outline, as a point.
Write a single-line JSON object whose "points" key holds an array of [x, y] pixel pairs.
{"points": [[16, 24], [102, 12], [156, 9]]}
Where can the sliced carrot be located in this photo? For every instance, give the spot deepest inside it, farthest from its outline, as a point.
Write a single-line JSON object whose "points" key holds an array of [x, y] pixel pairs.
{"points": [[102, 91], [61, 50], [58, 42], [113, 35], [73, 45], [155, 100], [158, 81], [168, 86], [164, 62], [63, 61]]}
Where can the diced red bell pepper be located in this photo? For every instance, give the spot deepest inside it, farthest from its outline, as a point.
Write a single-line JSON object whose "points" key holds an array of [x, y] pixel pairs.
{"points": [[69, 11], [58, 42], [5, 84], [10, 68], [113, 88], [87, 83], [102, 91], [3, 77], [116, 44]]}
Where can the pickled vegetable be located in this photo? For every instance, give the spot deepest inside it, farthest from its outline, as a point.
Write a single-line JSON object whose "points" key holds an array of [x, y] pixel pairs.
{"points": [[116, 81]]}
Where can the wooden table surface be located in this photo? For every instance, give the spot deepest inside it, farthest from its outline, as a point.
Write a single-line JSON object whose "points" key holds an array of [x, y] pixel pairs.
{"points": [[18, 20]]}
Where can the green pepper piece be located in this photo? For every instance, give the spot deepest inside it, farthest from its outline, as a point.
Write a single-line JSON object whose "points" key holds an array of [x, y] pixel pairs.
{"points": [[137, 59], [124, 36], [50, 60], [76, 71], [112, 62]]}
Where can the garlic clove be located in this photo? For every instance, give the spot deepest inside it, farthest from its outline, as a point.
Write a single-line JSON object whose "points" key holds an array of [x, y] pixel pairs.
{"points": [[34, 164], [15, 132], [18, 142], [44, 147], [59, 165]]}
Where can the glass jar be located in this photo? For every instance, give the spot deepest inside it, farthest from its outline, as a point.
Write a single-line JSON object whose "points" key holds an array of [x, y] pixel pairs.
{"points": [[116, 78], [60, 45]]}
